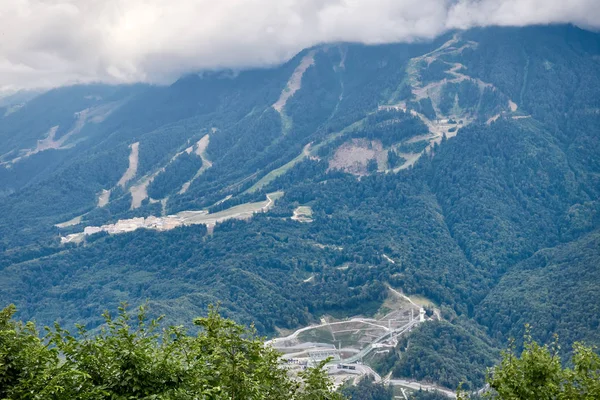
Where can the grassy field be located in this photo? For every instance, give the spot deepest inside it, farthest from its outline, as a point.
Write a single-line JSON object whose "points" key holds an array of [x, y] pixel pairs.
{"points": [[392, 303], [308, 150], [303, 214], [317, 335], [304, 210], [239, 211], [271, 176], [422, 301]]}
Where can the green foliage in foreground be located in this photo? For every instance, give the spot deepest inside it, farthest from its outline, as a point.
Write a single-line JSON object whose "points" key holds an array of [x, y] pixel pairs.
{"points": [[538, 374], [132, 358]]}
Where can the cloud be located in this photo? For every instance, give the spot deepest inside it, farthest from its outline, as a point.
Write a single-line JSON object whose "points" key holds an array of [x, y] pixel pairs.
{"points": [[46, 43]]}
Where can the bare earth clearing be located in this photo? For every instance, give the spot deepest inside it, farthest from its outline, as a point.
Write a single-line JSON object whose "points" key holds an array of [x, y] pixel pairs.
{"points": [[309, 151], [206, 163], [133, 165], [302, 214], [350, 341], [93, 114], [103, 198], [444, 125], [295, 82], [71, 222], [354, 155], [184, 218], [139, 192]]}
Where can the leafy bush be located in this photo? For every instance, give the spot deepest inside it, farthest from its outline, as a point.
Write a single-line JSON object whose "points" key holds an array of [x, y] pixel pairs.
{"points": [[132, 358]]}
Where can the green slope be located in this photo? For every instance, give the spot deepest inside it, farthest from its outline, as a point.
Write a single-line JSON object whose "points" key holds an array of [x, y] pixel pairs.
{"points": [[555, 290], [467, 226]]}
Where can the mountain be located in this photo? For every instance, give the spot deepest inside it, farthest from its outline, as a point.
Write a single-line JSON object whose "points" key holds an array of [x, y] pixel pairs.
{"points": [[465, 170]]}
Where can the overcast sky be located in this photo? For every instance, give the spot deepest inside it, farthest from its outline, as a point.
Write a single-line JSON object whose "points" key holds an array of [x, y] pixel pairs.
{"points": [[45, 43]]}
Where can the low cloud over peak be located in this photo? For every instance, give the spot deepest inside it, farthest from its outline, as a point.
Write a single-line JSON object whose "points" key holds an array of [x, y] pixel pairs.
{"points": [[46, 43]]}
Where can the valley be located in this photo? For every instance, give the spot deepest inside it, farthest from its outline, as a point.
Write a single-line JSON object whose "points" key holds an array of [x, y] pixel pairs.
{"points": [[405, 208]]}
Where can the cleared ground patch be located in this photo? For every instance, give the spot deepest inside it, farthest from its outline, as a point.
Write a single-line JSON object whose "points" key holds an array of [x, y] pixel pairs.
{"points": [[92, 114], [184, 218], [139, 192], [103, 198], [302, 214], [356, 333], [309, 151], [71, 222], [422, 301], [271, 176], [318, 335], [354, 156], [295, 82], [133, 165], [200, 150]]}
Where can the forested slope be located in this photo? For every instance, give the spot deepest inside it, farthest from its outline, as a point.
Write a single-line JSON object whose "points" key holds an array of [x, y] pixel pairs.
{"points": [[555, 291], [464, 170]]}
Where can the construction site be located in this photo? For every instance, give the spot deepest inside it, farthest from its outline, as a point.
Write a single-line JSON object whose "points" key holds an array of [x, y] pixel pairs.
{"points": [[349, 344]]}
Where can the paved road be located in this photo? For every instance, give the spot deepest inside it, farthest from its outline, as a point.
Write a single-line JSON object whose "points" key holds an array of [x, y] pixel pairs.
{"points": [[384, 337], [294, 335], [365, 370], [415, 385]]}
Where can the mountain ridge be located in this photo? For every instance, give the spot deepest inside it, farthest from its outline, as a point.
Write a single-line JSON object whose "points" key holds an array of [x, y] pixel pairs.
{"points": [[443, 169]]}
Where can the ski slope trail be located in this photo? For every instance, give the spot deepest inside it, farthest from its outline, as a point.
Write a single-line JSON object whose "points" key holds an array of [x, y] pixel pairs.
{"points": [[200, 151], [131, 171], [295, 82]]}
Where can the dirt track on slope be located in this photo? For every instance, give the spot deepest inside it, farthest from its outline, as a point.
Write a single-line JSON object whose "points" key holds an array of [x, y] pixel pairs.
{"points": [[295, 82], [133, 165], [206, 163]]}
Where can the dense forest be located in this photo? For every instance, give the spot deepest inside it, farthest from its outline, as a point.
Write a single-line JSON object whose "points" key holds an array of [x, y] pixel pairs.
{"points": [[444, 353]]}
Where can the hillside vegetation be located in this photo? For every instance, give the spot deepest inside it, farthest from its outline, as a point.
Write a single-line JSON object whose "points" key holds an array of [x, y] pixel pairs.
{"points": [[133, 358], [465, 170]]}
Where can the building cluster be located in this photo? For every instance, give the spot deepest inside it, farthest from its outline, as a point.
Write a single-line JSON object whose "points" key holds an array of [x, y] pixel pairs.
{"points": [[128, 225]]}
